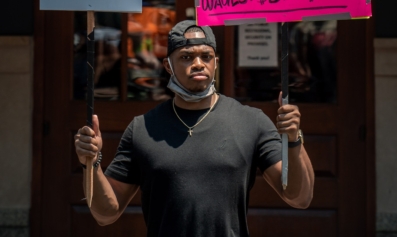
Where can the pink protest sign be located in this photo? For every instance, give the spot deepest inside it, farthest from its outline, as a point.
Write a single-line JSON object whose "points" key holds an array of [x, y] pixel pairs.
{"points": [[234, 12]]}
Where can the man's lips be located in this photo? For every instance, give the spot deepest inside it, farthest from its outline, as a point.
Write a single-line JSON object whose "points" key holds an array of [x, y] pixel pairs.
{"points": [[198, 76]]}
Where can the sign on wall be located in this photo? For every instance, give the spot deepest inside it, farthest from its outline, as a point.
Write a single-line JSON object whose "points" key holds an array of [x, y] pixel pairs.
{"points": [[236, 12], [258, 45], [92, 5]]}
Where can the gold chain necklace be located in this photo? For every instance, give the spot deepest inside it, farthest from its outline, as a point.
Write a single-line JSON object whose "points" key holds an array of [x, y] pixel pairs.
{"points": [[190, 131]]}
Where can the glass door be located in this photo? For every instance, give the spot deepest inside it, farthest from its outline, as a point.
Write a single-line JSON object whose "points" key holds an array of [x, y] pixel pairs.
{"points": [[129, 50]]}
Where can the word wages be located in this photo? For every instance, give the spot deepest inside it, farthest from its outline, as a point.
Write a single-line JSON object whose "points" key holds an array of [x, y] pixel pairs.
{"points": [[213, 4]]}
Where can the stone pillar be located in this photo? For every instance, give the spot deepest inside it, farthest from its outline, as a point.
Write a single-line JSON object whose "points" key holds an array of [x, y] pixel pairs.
{"points": [[386, 135], [16, 100]]}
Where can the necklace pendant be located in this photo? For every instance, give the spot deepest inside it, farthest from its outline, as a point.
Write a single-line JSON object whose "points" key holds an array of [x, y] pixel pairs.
{"points": [[190, 132]]}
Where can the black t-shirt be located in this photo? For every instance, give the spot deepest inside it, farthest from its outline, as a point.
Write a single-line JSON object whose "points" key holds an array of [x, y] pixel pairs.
{"points": [[196, 186]]}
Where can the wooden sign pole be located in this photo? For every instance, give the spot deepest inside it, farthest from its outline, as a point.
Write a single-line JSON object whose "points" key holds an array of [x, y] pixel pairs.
{"points": [[90, 98], [284, 89]]}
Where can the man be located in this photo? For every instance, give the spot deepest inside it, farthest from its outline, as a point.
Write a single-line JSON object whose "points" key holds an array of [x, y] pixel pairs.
{"points": [[195, 157]]}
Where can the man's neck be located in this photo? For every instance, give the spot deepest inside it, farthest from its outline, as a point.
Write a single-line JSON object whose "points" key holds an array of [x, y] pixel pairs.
{"points": [[203, 104]]}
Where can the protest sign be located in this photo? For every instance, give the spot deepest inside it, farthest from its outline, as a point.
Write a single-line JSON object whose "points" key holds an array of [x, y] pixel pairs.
{"points": [[236, 12], [91, 6]]}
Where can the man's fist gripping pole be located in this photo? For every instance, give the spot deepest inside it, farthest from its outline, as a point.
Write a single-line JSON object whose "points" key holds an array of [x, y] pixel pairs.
{"points": [[88, 143]]}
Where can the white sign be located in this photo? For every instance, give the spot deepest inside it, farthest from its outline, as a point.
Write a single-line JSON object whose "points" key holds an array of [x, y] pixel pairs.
{"points": [[258, 45], [92, 5]]}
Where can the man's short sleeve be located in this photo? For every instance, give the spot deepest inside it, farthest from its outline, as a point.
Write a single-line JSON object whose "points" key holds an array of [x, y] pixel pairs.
{"points": [[125, 167], [269, 142]]}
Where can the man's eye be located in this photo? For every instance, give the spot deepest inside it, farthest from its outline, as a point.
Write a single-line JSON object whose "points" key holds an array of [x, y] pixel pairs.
{"points": [[185, 57]]}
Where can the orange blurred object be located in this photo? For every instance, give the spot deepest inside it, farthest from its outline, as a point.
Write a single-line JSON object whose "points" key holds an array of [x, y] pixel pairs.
{"points": [[154, 24]]}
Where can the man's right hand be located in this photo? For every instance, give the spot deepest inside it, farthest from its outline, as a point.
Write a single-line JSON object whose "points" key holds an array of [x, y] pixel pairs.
{"points": [[88, 142]]}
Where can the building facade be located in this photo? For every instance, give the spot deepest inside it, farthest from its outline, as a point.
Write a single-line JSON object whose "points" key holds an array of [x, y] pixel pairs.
{"points": [[30, 62]]}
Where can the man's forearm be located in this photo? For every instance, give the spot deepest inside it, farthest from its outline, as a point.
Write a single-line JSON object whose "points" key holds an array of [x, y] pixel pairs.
{"points": [[105, 206], [299, 191]]}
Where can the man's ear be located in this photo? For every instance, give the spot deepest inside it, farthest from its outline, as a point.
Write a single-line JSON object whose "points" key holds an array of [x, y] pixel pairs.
{"points": [[167, 65], [216, 62]]}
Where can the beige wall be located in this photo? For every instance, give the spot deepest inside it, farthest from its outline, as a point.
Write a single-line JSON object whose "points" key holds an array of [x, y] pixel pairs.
{"points": [[386, 133], [16, 98]]}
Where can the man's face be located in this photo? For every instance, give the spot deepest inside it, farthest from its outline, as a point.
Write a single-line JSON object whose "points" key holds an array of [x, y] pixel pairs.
{"points": [[194, 65]]}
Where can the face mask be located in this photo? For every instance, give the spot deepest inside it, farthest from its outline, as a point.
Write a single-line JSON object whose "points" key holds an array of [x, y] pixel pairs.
{"points": [[184, 93]]}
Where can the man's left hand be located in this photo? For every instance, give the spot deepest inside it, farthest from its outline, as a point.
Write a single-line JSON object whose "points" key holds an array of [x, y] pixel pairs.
{"points": [[288, 120]]}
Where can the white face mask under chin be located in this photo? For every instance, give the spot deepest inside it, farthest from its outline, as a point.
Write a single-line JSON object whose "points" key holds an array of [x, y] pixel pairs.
{"points": [[184, 93]]}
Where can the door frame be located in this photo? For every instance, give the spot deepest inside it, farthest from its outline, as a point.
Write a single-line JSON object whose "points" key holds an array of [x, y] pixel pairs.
{"points": [[37, 121]]}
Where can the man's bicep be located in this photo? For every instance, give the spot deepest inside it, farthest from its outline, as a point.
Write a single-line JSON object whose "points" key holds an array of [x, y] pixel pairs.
{"points": [[124, 191]]}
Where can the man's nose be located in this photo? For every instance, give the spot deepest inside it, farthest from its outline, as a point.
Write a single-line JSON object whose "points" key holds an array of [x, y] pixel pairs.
{"points": [[198, 63]]}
